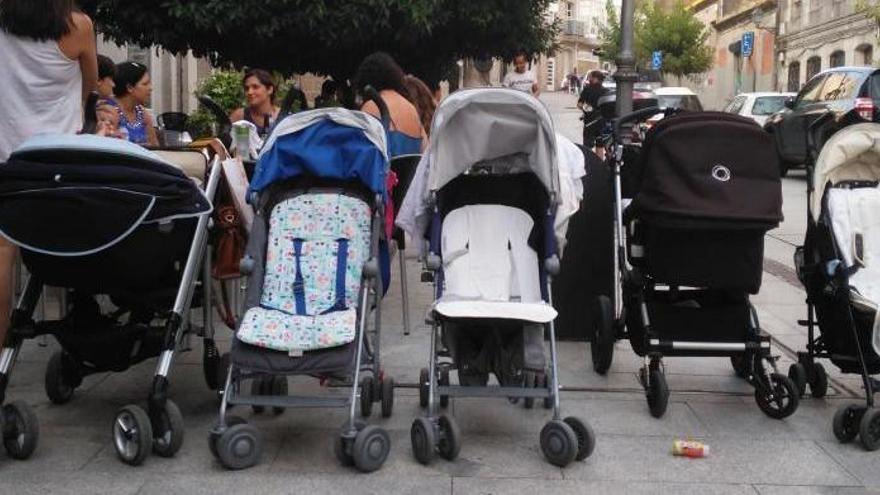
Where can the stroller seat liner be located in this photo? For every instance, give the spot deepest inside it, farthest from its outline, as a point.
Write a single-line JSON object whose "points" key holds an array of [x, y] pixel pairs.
{"points": [[490, 271], [317, 246], [853, 215]]}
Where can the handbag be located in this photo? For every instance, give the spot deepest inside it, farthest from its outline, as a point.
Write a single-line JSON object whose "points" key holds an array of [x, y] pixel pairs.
{"points": [[230, 244]]}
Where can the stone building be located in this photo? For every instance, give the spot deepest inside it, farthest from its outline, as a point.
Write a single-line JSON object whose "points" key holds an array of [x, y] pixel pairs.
{"points": [[581, 22], [817, 34]]}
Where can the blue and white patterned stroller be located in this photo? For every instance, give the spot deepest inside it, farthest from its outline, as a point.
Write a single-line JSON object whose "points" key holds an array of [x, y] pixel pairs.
{"points": [[316, 262]]}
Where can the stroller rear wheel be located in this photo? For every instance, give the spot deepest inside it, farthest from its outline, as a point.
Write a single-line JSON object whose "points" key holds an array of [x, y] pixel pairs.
{"points": [[530, 380], [278, 388], [387, 391], [869, 429], [20, 429], [846, 423], [585, 437], [818, 380], [779, 398], [371, 448], [449, 441], [797, 373], [423, 387], [60, 381], [559, 443], [367, 396], [603, 335], [423, 440]]}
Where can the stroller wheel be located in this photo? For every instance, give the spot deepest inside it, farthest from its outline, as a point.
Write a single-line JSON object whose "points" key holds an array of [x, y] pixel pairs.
{"points": [[423, 440], [444, 382], [168, 430], [59, 384], [423, 387], [21, 431], [240, 447], [217, 430], [657, 392], [559, 443], [387, 396], [342, 444], [371, 448], [585, 437], [846, 423], [366, 396], [777, 399], [279, 389], [603, 335], [259, 387], [449, 443], [132, 435], [818, 381], [530, 380], [797, 373], [869, 429], [211, 365]]}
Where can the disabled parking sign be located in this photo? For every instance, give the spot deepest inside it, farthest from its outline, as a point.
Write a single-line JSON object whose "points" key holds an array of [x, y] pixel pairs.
{"points": [[657, 60], [748, 43]]}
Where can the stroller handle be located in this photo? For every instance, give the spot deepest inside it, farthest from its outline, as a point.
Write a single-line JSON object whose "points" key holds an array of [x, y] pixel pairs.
{"points": [[634, 116], [370, 94]]}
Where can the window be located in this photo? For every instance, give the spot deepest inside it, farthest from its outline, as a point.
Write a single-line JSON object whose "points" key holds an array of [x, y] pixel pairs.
{"points": [[838, 59], [736, 105], [569, 10], [840, 86], [768, 105], [794, 77], [690, 103], [814, 66], [865, 55], [810, 93]]}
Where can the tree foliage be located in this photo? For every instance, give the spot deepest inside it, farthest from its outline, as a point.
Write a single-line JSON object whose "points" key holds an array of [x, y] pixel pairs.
{"points": [[675, 32], [329, 36]]}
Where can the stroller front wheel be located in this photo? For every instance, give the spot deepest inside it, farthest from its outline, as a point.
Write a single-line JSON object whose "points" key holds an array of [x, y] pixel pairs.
{"points": [[779, 398], [797, 373], [846, 422], [371, 448], [59, 382], [132, 435], [168, 428], [559, 443], [449, 443], [423, 440], [585, 437]]}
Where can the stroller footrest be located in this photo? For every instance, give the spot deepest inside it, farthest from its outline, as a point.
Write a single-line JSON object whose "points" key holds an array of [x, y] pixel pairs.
{"points": [[288, 401], [682, 345], [492, 391]]}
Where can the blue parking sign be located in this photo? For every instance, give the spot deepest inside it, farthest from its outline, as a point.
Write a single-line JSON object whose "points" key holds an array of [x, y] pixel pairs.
{"points": [[657, 60], [748, 43]]}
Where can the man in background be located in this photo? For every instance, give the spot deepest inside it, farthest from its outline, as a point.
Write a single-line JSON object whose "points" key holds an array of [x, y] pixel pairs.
{"points": [[521, 79]]}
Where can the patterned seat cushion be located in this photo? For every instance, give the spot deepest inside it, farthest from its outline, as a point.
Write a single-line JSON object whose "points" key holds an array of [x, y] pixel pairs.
{"points": [[307, 303]]}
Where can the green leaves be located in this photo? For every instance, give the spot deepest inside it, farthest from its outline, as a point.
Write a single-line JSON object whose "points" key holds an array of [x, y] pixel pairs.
{"points": [[329, 36]]}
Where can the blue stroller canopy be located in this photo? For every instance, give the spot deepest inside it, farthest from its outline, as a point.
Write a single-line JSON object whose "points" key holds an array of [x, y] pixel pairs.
{"points": [[331, 143]]}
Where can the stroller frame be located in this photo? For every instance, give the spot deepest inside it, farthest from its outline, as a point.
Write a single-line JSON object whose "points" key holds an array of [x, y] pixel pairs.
{"points": [[850, 420], [135, 431], [751, 359]]}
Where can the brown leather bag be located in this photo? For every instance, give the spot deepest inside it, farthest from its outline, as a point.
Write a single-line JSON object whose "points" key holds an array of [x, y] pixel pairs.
{"points": [[230, 244]]}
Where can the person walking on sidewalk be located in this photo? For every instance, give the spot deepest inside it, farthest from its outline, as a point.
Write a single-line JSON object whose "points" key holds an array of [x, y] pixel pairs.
{"points": [[50, 65], [588, 103], [522, 79]]}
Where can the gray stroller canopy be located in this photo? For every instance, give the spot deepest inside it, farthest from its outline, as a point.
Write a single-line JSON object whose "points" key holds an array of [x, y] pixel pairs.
{"points": [[487, 124]]}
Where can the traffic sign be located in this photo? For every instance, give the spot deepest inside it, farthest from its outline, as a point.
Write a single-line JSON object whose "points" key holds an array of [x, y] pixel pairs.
{"points": [[657, 60], [748, 43]]}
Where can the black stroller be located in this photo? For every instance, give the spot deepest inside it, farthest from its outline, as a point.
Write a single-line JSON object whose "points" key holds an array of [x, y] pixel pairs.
{"points": [[101, 217], [706, 189], [836, 266]]}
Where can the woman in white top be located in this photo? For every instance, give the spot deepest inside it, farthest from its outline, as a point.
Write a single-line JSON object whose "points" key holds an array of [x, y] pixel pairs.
{"points": [[47, 52]]}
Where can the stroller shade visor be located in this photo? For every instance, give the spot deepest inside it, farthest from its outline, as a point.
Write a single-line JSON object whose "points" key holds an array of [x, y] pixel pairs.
{"points": [[330, 144]]}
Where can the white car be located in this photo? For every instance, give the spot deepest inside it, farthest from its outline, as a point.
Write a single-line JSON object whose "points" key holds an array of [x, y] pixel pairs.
{"points": [[758, 106], [678, 98]]}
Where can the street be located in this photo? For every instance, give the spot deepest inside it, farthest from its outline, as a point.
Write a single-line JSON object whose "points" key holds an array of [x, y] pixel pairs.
{"points": [[750, 453]]}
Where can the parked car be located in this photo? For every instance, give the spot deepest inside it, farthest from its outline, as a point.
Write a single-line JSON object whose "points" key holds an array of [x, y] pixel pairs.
{"points": [[852, 94], [679, 98], [758, 106]]}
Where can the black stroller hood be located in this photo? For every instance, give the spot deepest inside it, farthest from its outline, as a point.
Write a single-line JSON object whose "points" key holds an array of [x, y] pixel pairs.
{"points": [[709, 170], [77, 202]]}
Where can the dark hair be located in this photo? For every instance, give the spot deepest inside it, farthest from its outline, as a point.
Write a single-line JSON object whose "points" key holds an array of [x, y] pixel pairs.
{"points": [[40, 20], [521, 53], [598, 74], [420, 96], [127, 74], [329, 88], [265, 79], [381, 72], [106, 67]]}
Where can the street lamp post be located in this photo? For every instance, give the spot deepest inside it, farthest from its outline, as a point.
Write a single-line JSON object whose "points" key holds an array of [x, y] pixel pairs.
{"points": [[626, 70]]}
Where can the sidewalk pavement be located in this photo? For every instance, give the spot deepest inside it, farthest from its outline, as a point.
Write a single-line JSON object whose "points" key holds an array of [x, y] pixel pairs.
{"points": [[750, 453]]}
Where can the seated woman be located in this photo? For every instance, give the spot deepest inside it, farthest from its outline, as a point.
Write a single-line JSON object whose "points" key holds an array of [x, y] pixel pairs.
{"points": [[132, 90], [406, 136], [259, 90]]}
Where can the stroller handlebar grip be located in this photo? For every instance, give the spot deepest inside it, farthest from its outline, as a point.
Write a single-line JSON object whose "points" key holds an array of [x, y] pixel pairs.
{"points": [[370, 94], [812, 129], [634, 116]]}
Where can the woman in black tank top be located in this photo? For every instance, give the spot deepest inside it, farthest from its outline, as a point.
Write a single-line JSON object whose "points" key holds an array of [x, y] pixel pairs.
{"points": [[259, 90]]}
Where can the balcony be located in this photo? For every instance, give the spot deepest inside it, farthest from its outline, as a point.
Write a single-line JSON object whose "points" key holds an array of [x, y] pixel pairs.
{"points": [[574, 28]]}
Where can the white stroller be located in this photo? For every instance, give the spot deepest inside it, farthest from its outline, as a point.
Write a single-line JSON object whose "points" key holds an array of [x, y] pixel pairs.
{"points": [[488, 194]]}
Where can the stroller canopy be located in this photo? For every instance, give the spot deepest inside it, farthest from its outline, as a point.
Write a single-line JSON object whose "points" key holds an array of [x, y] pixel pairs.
{"points": [[332, 143], [104, 189], [853, 153], [485, 124]]}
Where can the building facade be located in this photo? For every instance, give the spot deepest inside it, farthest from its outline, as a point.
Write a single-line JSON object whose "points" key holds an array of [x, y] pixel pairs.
{"points": [[818, 34], [581, 23]]}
